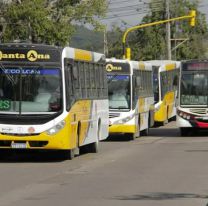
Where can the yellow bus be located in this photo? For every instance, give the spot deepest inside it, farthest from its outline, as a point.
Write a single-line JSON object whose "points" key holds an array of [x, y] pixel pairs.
{"points": [[131, 99], [165, 81], [52, 98]]}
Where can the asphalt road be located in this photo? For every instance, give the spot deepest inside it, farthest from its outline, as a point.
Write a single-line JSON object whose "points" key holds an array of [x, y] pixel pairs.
{"points": [[162, 169]]}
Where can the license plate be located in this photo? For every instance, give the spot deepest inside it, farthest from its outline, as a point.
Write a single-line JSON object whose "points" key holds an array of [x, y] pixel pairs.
{"points": [[19, 145]]}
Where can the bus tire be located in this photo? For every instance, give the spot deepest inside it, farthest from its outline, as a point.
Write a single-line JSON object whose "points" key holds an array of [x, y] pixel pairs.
{"points": [[131, 136], [93, 147], [184, 131], [145, 132], [68, 154]]}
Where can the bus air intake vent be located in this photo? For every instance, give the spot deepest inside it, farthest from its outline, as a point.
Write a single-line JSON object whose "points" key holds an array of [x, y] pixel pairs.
{"points": [[112, 115], [38, 143], [199, 111]]}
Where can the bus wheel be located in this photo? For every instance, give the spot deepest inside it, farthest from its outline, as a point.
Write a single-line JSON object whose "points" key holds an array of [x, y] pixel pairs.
{"points": [[68, 154], [93, 147], [131, 136], [145, 132], [184, 131]]}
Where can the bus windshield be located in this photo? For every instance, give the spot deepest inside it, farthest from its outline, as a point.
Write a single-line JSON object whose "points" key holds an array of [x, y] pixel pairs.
{"points": [[119, 91], [194, 88], [30, 89]]}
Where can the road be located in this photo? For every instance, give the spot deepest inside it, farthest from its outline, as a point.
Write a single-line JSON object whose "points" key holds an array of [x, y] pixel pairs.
{"points": [[162, 169]]}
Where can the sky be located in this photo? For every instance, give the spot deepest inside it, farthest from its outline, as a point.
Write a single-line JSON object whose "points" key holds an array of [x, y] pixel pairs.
{"points": [[128, 13]]}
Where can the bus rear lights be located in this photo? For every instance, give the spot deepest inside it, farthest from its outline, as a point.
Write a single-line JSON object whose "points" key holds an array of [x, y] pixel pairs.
{"points": [[185, 115], [55, 129]]}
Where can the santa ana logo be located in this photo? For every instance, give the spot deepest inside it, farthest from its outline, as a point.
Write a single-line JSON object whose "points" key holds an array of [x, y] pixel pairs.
{"points": [[110, 68], [32, 56]]}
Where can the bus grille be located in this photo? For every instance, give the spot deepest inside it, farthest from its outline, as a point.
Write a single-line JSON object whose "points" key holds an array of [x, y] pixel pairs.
{"points": [[112, 115], [199, 111], [32, 144]]}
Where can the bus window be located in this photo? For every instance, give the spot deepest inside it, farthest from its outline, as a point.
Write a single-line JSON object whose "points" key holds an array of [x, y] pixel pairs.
{"points": [[119, 94]]}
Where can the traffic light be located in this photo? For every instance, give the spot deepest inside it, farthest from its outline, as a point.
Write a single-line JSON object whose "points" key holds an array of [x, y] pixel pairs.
{"points": [[192, 17]]}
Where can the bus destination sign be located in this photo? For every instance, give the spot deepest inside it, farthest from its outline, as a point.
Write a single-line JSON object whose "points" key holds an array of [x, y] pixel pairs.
{"points": [[195, 66], [114, 67], [29, 55]]}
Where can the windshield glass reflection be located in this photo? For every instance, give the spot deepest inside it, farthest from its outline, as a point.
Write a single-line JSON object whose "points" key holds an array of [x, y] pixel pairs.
{"points": [[30, 90], [119, 91]]}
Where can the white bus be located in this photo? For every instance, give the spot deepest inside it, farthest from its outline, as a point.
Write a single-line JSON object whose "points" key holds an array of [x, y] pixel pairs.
{"points": [[192, 110], [165, 83], [52, 98], [131, 99]]}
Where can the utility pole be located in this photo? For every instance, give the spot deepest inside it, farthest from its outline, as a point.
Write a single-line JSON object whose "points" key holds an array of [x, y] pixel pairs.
{"points": [[127, 51], [168, 35], [105, 42]]}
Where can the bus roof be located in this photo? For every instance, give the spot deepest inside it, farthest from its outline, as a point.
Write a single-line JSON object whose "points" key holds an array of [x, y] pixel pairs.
{"points": [[134, 64], [162, 62], [44, 53]]}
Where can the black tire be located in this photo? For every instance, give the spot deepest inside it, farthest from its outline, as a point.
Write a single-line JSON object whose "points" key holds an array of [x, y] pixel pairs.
{"points": [[131, 136], [184, 131], [68, 154], [93, 147], [145, 132]]}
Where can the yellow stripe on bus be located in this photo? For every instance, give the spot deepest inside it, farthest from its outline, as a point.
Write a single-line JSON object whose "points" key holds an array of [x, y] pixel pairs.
{"points": [[83, 55], [166, 108], [170, 66], [141, 102], [120, 128], [141, 66]]}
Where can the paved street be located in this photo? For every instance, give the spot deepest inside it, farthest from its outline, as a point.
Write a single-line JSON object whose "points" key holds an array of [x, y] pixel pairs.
{"points": [[162, 169]]}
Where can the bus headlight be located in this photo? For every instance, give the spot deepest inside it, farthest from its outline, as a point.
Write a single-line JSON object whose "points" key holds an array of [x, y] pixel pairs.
{"points": [[185, 115], [55, 129]]}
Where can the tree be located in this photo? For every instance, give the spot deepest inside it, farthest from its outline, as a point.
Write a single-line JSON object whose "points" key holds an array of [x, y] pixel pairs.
{"points": [[114, 42], [49, 21], [150, 42]]}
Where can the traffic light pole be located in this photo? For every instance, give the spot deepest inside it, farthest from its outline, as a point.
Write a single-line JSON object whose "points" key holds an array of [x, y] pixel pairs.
{"points": [[127, 52]]}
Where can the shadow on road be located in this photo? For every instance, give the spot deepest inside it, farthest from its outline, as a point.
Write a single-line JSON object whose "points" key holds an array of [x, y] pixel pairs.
{"points": [[164, 132], [21, 156], [162, 196], [175, 132], [117, 138]]}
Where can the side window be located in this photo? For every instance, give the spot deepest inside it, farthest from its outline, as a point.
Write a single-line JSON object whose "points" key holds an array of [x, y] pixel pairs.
{"points": [[78, 91], [164, 84], [105, 81], [93, 80], [69, 87]]}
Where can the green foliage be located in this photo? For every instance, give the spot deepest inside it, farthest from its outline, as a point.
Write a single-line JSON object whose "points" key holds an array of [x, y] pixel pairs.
{"points": [[51, 22], [150, 42], [114, 43], [87, 39]]}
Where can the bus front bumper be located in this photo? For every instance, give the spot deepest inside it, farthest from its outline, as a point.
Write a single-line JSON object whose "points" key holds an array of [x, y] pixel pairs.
{"points": [[122, 129]]}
